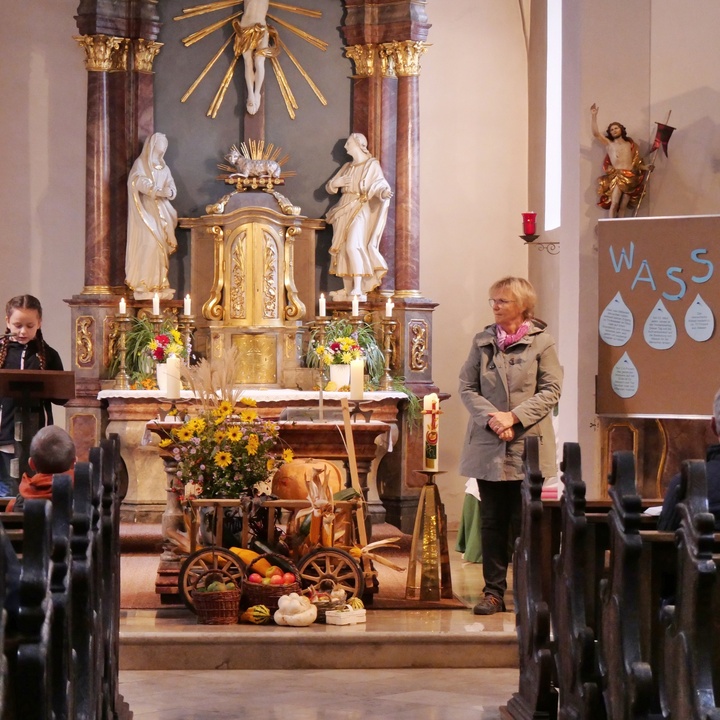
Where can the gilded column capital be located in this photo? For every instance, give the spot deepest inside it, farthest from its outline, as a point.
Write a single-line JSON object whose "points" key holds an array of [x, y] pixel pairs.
{"points": [[386, 59], [364, 57], [144, 54], [405, 56], [104, 53]]}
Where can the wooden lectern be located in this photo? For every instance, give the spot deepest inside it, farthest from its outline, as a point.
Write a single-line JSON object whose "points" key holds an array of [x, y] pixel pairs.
{"points": [[29, 389]]}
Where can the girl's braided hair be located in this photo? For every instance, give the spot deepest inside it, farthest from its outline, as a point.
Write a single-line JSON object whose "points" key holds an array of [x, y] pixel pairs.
{"points": [[23, 302]]}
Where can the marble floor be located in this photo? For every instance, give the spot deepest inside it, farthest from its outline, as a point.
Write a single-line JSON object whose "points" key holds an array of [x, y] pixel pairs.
{"points": [[420, 693]]}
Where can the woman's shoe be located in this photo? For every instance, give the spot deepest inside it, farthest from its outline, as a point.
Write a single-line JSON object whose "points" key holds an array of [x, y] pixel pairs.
{"points": [[489, 605]]}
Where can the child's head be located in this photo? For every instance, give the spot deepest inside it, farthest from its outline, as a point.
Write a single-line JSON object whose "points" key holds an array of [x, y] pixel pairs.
{"points": [[23, 316], [52, 450]]}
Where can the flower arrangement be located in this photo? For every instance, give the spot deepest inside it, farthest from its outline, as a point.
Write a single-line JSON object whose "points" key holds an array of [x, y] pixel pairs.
{"points": [[165, 344], [343, 342], [227, 448], [225, 451], [340, 351]]}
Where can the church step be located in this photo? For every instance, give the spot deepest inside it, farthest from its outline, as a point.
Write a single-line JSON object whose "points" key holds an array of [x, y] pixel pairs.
{"points": [[172, 640]]}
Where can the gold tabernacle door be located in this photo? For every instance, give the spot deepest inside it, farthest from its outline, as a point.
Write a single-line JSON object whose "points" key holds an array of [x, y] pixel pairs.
{"points": [[252, 265]]}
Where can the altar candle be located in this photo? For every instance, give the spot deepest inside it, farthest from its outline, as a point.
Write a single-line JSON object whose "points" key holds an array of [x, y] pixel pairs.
{"points": [[123, 306], [156, 304], [174, 385], [389, 305], [355, 306], [321, 305], [357, 378], [529, 223], [431, 417], [187, 305]]}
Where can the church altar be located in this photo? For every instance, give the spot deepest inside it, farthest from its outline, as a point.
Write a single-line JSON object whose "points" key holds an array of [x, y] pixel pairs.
{"points": [[130, 412]]}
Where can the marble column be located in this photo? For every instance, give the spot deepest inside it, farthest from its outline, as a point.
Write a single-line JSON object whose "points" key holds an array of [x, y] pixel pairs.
{"points": [[406, 58], [104, 55]]}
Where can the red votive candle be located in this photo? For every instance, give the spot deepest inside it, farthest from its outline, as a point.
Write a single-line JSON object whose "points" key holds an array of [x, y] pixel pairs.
{"points": [[529, 223]]}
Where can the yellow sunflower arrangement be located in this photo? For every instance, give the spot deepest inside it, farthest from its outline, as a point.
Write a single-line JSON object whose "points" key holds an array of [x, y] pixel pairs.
{"points": [[226, 451]]}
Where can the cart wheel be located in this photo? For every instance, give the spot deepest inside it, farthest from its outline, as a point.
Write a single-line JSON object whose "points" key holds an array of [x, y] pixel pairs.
{"points": [[331, 564], [204, 561]]}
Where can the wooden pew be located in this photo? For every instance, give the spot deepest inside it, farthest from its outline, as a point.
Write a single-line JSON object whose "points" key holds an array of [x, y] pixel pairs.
{"points": [[537, 693], [690, 672], [67, 639], [577, 569]]}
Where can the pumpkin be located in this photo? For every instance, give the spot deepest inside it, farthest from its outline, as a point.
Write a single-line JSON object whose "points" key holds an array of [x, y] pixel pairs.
{"points": [[295, 610], [290, 482]]}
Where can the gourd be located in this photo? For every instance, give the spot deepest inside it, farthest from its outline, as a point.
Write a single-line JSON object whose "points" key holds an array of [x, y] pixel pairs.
{"points": [[295, 610], [248, 556], [257, 615], [356, 603]]}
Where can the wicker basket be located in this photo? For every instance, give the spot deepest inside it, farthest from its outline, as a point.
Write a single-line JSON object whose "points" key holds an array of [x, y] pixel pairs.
{"points": [[323, 607], [268, 595], [217, 608]]}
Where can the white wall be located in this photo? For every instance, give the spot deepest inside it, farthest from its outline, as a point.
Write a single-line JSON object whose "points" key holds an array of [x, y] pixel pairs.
{"points": [[473, 124], [42, 145]]}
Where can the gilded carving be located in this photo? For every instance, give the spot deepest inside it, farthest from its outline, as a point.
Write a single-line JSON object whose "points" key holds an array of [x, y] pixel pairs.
{"points": [[104, 53], [364, 58], [258, 364], [418, 330], [295, 309], [270, 277], [387, 60], [212, 309], [406, 56], [111, 339], [238, 277], [84, 348], [145, 52]]}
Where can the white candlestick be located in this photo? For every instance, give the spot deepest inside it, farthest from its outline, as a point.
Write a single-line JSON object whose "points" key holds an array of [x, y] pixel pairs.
{"points": [[355, 306], [187, 305], [321, 305], [431, 418], [156, 304], [389, 305], [357, 378], [123, 306], [174, 385]]}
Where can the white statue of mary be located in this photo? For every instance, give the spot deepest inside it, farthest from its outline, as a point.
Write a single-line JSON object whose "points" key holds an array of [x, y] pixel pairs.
{"points": [[151, 222]]}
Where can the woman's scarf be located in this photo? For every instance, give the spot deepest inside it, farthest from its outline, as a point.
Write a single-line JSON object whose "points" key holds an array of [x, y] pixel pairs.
{"points": [[504, 340]]}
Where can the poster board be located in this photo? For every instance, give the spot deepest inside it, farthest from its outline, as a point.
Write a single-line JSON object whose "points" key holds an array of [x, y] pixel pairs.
{"points": [[658, 311]]}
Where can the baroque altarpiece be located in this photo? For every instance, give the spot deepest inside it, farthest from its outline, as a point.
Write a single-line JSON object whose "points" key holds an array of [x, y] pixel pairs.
{"points": [[256, 239]]}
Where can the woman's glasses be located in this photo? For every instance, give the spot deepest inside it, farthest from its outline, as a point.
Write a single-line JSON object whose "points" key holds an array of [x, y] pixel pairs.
{"points": [[492, 302]]}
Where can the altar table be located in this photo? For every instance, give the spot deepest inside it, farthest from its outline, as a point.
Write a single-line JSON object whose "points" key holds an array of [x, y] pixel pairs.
{"points": [[129, 412]]}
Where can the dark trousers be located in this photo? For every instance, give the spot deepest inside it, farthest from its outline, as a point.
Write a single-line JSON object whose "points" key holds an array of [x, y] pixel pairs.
{"points": [[501, 515], [8, 484]]}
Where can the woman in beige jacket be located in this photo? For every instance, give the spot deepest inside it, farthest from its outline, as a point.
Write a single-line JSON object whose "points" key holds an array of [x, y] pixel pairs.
{"points": [[510, 383]]}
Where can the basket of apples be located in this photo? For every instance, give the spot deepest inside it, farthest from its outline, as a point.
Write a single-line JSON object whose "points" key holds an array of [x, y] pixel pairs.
{"points": [[278, 578]]}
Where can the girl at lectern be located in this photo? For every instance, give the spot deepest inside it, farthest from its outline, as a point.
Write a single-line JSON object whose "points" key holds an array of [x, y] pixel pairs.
{"points": [[21, 348]]}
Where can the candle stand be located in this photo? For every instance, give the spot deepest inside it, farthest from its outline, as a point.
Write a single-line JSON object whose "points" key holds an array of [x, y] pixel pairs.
{"points": [[388, 328], [156, 322], [356, 410], [122, 379], [321, 322], [186, 325], [428, 576]]}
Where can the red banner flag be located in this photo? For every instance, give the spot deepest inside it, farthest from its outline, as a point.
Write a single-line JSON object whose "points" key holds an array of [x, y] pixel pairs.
{"points": [[662, 137]]}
